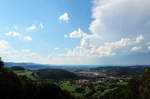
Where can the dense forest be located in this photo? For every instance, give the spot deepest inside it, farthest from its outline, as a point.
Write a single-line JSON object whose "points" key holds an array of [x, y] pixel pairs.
{"points": [[138, 88], [13, 86]]}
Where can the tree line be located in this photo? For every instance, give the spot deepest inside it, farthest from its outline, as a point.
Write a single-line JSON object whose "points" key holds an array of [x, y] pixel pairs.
{"points": [[13, 86]]}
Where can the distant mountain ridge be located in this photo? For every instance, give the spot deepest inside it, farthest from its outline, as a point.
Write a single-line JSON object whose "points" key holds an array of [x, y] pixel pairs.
{"points": [[31, 66], [35, 66]]}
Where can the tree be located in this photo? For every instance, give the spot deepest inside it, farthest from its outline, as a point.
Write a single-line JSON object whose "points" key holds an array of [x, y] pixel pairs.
{"points": [[1, 64]]}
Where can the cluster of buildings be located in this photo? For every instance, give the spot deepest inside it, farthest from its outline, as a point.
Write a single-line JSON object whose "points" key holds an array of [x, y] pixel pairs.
{"points": [[94, 78]]}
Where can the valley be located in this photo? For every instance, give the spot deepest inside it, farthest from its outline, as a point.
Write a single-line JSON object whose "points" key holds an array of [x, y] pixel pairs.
{"points": [[85, 82]]}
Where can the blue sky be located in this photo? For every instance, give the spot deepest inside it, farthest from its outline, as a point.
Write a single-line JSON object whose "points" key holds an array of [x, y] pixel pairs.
{"points": [[75, 31]]}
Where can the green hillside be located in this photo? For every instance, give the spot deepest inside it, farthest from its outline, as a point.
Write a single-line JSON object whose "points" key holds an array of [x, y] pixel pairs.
{"points": [[46, 74], [13, 86], [57, 74], [17, 68], [137, 88]]}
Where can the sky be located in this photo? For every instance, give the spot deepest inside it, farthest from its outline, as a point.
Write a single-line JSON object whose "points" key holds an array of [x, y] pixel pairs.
{"points": [[75, 32]]}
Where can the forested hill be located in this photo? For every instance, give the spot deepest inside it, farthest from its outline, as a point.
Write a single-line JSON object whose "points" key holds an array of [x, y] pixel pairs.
{"points": [[45, 74], [137, 88], [13, 86], [57, 74]]}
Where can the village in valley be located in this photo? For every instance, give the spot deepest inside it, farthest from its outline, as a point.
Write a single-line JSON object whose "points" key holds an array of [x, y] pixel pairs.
{"points": [[94, 78]]}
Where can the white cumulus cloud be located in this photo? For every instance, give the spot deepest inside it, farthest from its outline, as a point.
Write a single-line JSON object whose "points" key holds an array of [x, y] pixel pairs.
{"points": [[64, 17], [136, 48], [77, 33], [89, 46], [31, 28], [114, 19], [148, 47], [4, 47], [14, 34], [139, 39]]}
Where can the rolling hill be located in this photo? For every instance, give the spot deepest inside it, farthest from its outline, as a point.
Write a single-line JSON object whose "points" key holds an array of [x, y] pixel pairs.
{"points": [[57, 74], [44, 74]]}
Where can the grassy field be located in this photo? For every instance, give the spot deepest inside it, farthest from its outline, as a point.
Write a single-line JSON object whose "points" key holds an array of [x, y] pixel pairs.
{"points": [[27, 73], [71, 88]]}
